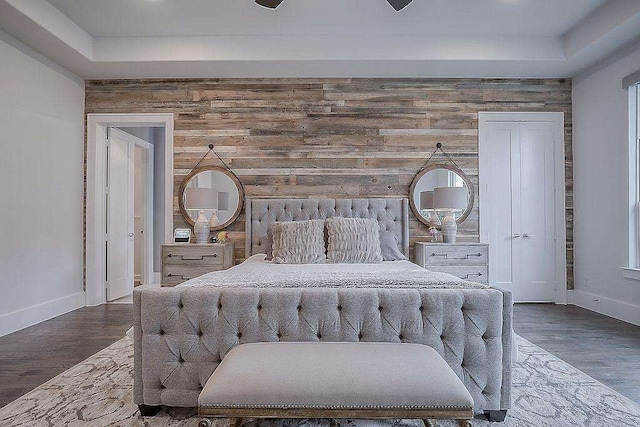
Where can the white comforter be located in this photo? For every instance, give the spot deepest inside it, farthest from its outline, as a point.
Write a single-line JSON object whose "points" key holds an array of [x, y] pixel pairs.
{"points": [[256, 272]]}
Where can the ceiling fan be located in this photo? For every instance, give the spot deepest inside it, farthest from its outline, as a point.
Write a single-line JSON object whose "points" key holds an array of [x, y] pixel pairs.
{"points": [[396, 4]]}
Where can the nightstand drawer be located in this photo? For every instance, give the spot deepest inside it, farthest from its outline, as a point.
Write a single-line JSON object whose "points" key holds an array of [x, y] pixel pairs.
{"points": [[468, 261], [193, 255], [178, 273], [440, 254], [478, 273], [181, 262]]}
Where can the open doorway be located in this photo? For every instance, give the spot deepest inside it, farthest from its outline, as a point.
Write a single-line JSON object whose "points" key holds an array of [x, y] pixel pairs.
{"points": [[129, 208]]}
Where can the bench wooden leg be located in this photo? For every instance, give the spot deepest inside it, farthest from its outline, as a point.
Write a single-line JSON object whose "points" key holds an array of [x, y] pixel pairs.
{"points": [[235, 422], [429, 423], [464, 423], [204, 422], [333, 422]]}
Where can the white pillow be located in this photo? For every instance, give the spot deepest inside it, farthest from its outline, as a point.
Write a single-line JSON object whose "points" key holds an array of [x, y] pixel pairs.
{"points": [[353, 240], [298, 242]]}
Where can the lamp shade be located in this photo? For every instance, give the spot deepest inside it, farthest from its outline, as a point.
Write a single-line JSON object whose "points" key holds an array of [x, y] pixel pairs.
{"points": [[201, 198], [223, 201], [450, 198], [426, 200]]}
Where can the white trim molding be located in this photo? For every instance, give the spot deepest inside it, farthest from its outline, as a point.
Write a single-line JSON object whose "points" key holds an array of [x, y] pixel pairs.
{"points": [[631, 273], [96, 215], [23, 318], [609, 307], [633, 259]]}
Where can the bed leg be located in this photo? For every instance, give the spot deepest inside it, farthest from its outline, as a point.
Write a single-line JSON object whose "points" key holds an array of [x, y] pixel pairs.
{"points": [[496, 416], [148, 410]]}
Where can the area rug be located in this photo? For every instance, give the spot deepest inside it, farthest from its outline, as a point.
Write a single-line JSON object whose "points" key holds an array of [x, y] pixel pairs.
{"points": [[99, 392]]}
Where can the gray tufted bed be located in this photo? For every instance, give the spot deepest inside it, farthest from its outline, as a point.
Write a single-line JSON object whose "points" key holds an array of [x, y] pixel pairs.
{"points": [[182, 333]]}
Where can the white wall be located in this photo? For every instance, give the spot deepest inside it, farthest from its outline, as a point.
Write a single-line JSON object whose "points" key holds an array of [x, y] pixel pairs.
{"points": [[41, 170], [600, 153]]}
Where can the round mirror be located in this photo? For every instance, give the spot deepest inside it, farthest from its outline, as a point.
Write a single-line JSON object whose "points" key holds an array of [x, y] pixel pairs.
{"points": [[438, 190], [213, 190]]}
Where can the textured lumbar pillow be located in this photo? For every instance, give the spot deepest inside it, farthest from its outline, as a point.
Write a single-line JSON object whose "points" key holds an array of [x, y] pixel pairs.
{"points": [[389, 247], [298, 242], [353, 240]]}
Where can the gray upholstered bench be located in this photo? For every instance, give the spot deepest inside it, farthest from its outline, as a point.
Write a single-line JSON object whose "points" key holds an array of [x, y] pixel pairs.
{"points": [[334, 380]]}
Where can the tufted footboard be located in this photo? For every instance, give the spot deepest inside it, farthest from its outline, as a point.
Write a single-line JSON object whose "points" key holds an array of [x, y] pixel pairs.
{"points": [[181, 334]]}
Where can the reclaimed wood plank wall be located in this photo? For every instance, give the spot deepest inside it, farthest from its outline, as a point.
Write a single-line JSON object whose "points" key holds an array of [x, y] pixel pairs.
{"points": [[333, 137]]}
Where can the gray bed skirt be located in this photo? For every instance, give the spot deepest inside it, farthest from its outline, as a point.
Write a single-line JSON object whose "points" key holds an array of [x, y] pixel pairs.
{"points": [[182, 334]]}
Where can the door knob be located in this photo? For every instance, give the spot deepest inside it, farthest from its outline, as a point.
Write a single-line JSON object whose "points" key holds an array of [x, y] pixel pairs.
{"points": [[515, 235], [130, 234]]}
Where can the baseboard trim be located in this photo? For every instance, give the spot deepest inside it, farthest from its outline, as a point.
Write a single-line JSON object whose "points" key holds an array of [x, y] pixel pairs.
{"points": [[20, 319], [609, 307]]}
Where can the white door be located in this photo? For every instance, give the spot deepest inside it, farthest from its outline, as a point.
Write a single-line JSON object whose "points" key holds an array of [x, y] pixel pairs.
{"points": [[120, 218], [518, 206], [535, 212]]}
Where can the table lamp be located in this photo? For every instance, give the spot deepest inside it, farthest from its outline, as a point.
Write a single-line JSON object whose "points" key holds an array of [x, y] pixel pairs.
{"points": [[426, 205], [450, 199], [201, 199]]}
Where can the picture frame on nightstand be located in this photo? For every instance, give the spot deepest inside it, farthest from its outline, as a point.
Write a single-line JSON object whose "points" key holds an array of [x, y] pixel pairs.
{"points": [[182, 235]]}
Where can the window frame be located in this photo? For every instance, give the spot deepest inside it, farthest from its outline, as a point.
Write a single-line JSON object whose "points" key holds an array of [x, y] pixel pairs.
{"points": [[632, 270]]}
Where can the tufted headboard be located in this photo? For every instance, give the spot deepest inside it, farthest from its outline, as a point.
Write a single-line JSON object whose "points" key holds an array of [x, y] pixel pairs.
{"points": [[392, 214]]}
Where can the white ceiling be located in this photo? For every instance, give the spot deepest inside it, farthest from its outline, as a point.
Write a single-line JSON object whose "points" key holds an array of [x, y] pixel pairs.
{"points": [[323, 38], [124, 18]]}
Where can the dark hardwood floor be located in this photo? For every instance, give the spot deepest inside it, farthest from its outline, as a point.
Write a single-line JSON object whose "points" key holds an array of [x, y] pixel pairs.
{"points": [[604, 348], [32, 356]]}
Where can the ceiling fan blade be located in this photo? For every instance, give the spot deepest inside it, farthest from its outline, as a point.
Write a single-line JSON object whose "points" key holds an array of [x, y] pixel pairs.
{"points": [[399, 4], [271, 4]]}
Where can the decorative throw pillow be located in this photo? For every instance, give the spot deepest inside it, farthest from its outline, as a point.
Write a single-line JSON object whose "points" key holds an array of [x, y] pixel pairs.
{"points": [[389, 247], [298, 242], [353, 240]]}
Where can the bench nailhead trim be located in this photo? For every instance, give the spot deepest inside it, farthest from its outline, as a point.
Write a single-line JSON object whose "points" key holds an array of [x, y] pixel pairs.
{"points": [[216, 406]]}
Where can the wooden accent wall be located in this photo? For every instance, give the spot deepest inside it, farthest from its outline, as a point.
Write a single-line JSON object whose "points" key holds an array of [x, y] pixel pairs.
{"points": [[333, 137]]}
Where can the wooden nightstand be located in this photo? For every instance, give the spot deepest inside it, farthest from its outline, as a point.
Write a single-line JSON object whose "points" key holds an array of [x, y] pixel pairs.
{"points": [[184, 261], [469, 261]]}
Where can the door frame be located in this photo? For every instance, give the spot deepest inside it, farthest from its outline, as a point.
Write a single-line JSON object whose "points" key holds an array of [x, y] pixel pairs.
{"points": [[557, 118], [95, 216]]}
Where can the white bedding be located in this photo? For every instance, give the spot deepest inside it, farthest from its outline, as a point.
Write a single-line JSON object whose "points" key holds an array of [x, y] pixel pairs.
{"points": [[255, 271]]}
